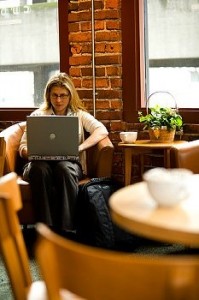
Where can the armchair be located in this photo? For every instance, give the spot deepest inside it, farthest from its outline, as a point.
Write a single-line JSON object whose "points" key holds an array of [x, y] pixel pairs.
{"points": [[186, 156], [99, 164]]}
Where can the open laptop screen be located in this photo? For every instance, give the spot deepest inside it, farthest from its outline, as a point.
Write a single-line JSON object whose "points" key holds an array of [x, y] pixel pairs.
{"points": [[52, 137]]}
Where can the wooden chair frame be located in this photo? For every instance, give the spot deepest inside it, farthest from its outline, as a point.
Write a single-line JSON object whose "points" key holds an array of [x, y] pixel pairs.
{"points": [[12, 244], [97, 274]]}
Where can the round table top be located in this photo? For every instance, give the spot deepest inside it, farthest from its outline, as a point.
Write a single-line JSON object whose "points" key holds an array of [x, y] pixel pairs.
{"points": [[149, 144], [134, 209]]}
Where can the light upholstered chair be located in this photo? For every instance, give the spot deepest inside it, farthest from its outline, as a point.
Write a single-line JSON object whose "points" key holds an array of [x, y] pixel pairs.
{"points": [[98, 274], [186, 156], [12, 245], [99, 164]]}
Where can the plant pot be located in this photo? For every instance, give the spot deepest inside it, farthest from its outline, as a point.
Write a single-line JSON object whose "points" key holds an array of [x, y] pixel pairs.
{"points": [[158, 135]]}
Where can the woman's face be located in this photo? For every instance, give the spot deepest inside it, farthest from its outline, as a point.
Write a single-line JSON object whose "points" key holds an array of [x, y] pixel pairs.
{"points": [[59, 98]]}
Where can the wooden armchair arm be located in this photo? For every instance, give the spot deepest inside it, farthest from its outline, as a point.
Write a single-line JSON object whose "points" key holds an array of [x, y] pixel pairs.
{"points": [[185, 156], [12, 136], [2, 154], [99, 159]]}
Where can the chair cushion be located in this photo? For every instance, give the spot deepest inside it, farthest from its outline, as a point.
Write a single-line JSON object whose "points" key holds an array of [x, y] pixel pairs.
{"points": [[12, 136]]}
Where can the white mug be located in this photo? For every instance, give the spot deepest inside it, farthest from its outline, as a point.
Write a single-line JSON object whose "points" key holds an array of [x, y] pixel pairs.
{"points": [[128, 137]]}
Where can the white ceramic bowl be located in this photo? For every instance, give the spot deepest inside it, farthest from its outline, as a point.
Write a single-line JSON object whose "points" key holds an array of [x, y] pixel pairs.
{"points": [[128, 137], [168, 186]]}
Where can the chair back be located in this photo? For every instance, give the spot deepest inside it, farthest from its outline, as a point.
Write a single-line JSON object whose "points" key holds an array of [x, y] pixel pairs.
{"points": [[186, 156], [12, 245], [97, 274], [2, 154]]}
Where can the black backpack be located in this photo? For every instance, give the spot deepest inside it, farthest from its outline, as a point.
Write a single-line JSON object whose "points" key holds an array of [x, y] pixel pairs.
{"points": [[93, 220]]}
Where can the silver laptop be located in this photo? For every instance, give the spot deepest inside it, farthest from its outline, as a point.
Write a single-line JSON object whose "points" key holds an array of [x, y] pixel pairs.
{"points": [[52, 137]]}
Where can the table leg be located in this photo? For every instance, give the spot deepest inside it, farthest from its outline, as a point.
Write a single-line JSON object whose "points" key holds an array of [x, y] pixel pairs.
{"points": [[142, 163], [167, 158], [128, 165]]}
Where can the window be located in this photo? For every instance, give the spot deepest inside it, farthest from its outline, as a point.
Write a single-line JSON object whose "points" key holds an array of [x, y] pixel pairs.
{"points": [[173, 50], [138, 80], [29, 50]]}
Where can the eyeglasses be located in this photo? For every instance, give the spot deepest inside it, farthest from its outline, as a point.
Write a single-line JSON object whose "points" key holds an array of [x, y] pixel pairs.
{"points": [[61, 96]]}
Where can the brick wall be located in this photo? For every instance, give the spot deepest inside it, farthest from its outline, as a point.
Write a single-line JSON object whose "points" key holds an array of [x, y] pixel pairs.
{"points": [[108, 71], [108, 64]]}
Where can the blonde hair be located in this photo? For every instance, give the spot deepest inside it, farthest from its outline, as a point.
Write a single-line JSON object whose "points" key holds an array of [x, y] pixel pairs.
{"points": [[62, 80]]}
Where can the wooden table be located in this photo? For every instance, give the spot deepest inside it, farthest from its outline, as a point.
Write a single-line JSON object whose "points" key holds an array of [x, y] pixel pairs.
{"points": [[134, 209], [142, 147]]}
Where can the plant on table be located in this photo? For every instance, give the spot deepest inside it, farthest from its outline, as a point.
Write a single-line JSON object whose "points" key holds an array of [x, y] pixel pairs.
{"points": [[161, 118], [162, 123]]}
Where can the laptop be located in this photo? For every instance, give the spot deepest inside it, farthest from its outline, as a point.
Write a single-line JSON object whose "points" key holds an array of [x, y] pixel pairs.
{"points": [[52, 137]]}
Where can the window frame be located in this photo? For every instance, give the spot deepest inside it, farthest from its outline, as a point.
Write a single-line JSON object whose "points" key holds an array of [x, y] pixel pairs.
{"points": [[134, 89]]}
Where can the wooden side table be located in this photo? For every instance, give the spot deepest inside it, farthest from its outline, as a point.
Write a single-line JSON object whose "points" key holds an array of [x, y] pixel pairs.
{"points": [[142, 147]]}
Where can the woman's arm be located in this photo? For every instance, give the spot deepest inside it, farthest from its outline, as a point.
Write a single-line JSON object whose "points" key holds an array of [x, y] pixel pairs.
{"points": [[97, 135], [95, 128]]}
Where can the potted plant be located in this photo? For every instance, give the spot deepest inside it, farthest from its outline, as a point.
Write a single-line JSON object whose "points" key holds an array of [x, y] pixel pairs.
{"points": [[162, 123]]}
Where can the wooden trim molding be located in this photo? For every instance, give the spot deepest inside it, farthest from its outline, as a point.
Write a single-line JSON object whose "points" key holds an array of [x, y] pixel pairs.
{"points": [[133, 58], [63, 35]]}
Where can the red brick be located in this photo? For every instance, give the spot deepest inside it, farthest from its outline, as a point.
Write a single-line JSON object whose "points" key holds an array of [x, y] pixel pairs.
{"points": [[100, 47], [107, 14], [108, 115], [79, 16], [113, 24], [87, 71], [80, 37], [85, 94], [102, 83], [99, 25], [80, 60], [100, 71], [88, 104], [116, 82], [85, 26], [73, 27], [85, 5], [108, 36], [112, 4], [108, 59], [103, 104], [75, 72], [116, 104], [77, 82], [116, 126], [76, 49], [87, 48], [114, 71], [73, 6], [87, 83], [109, 94], [108, 47], [113, 47]]}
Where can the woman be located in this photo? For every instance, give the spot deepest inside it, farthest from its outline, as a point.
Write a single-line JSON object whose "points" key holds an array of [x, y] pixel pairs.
{"points": [[54, 184]]}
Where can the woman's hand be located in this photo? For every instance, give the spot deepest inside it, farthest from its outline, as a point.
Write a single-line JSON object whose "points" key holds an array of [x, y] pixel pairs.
{"points": [[24, 152], [81, 148]]}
